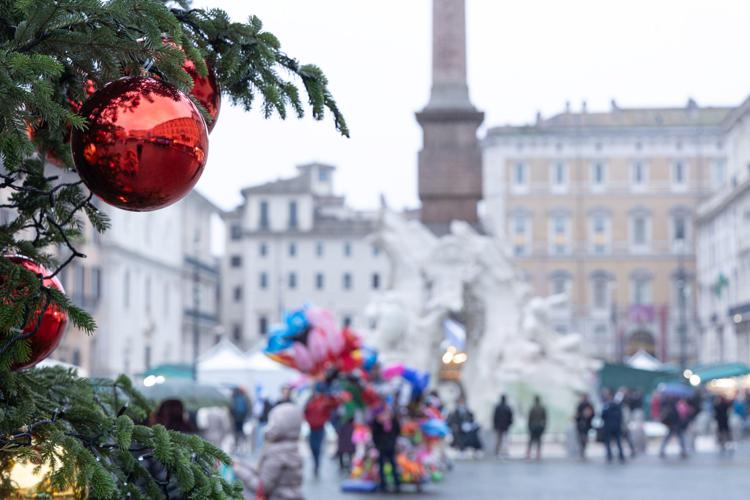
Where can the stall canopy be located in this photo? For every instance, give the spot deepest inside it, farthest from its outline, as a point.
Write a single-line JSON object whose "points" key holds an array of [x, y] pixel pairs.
{"points": [[615, 375], [169, 371], [644, 361], [716, 371]]}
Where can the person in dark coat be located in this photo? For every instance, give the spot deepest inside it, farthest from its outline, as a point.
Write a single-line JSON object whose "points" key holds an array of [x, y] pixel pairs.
{"points": [[670, 416], [464, 428], [502, 419], [612, 425], [583, 418], [171, 414], [722, 406], [240, 408], [386, 429], [537, 424]]}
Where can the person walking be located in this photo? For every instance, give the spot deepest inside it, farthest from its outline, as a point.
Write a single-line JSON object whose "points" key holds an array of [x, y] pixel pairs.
{"points": [[537, 424], [722, 407], [278, 475], [318, 411], [386, 429], [464, 428], [240, 412], [670, 417], [612, 425], [583, 418], [502, 419]]}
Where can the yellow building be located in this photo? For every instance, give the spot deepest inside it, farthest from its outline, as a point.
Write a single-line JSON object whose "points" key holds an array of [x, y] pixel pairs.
{"points": [[600, 205]]}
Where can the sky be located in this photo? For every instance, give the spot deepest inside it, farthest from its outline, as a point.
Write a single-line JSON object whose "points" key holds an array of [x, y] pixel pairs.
{"points": [[524, 56]]}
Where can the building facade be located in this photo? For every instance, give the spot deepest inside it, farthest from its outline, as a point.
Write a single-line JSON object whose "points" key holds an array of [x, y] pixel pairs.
{"points": [[292, 242], [601, 206], [138, 282], [723, 253]]}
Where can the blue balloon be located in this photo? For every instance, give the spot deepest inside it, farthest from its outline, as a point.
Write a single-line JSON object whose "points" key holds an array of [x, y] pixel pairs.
{"points": [[418, 380], [369, 357], [296, 322], [277, 342], [435, 428]]}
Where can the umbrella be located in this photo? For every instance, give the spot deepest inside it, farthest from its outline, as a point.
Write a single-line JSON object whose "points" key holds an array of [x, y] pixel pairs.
{"points": [[675, 389], [192, 395]]}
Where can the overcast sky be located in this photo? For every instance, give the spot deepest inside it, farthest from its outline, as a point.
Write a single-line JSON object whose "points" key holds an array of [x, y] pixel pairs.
{"points": [[524, 56]]}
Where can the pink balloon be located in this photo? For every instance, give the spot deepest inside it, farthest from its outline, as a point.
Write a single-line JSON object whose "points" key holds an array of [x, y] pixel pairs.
{"points": [[320, 318], [317, 344], [393, 370], [302, 357], [336, 341]]}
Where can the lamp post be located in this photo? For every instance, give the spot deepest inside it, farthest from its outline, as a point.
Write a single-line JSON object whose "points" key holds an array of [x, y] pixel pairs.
{"points": [[682, 307]]}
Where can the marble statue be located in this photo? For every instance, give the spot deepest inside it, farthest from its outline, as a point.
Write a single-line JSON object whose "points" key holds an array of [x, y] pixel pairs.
{"points": [[511, 345]]}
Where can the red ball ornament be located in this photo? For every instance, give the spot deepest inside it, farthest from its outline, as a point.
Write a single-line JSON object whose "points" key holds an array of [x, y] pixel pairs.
{"points": [[145, 146], [53, 321], [205, 90]]}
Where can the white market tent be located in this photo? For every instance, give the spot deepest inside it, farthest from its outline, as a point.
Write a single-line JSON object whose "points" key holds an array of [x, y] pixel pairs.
{"points": [[225, 364], [644, 361]]}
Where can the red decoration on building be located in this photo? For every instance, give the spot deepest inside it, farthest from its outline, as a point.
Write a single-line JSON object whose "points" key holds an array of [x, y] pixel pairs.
{"points": [[145, 146], [53, 319]]}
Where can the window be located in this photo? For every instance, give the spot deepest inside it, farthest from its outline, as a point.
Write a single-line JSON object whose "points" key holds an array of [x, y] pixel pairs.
{"points": [[639, 174], [262, 325], [147, 356], [718, 174], [559, 176], [237, 294], [519, 224], [347, 281], [347, 249], [319, 249], [599, 233], [559, 283], [680, 228], [375, 251], [520, 229], [519, 175], [600, 292], [324, 175], [96, 283], [679, 175], [79, 293], [263, 280], [293, 215], [292, 280], [236, 332], [319, 281], [641, 290], [639, 230], [76, 357], [235, 261], [263, 221], [147, 294], [262, 249], [292, 249], [126, 290], [235, 232], [559, 228], [375, 281], [598, 173]]}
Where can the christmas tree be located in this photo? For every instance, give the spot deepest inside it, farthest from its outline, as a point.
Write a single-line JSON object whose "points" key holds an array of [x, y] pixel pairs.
{"points": [[87, 434]]}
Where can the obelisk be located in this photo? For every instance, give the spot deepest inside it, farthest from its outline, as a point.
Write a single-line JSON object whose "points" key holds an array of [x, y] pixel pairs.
{"points": [[450, 162]]}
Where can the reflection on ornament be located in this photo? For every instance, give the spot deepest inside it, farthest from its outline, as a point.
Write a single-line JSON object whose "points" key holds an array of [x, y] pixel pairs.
{"points": [[31, 479], [205, 90], [53, 322], [145, 146]]}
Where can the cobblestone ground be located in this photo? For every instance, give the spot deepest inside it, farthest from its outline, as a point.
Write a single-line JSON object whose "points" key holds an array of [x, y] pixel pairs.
{"points": [[704, 476]]}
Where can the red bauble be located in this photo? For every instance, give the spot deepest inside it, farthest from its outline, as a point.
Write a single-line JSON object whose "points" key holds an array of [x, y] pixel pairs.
{"points": [[145, 146], [205, 90], [53, 322]]}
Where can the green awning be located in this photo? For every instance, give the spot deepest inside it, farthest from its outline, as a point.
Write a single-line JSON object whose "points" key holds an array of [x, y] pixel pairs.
{"points": [[170, 371], [616, 375], [720, 370]]}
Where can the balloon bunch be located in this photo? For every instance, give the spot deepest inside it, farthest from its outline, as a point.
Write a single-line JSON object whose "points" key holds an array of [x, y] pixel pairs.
{"points": [[309, 341], [416, 379]]}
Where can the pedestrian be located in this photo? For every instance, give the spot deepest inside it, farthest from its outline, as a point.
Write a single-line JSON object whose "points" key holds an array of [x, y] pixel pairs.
{"points": [[722, 407], [612, 425], [345, 446], [537, 424], [464, 428], [286, 395], [583, 418], [622, 398], [318, 411], [385, 431], [278, 475], [240, 412], [670, 417], [261, 410], [171, 414], [502, 419]]}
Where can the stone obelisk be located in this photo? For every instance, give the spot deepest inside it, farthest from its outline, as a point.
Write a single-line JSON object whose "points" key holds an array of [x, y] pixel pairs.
{"points": [[450, 162]]}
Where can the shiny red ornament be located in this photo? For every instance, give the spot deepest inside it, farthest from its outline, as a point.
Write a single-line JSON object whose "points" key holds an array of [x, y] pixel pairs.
{"points": [[205, 90], [145, 146], [53, 321]]}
